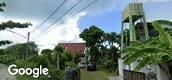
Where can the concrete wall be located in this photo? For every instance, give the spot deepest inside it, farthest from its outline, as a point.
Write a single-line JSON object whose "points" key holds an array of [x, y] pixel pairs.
{"points": [[155, 68], [160, 74]]}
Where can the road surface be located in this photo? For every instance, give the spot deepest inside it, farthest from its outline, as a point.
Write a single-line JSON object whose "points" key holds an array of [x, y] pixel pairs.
{"points": [[4, 75]]}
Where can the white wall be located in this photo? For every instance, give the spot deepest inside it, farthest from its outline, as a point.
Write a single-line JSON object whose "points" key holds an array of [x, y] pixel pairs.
{"points": [[121, 66], [160, 74]]}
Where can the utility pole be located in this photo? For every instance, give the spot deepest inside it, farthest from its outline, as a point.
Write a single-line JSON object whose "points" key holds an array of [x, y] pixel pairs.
{"points": [[27, 46], [28, 36]]}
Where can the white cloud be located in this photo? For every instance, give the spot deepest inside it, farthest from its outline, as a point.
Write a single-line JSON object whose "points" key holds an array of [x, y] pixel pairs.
{"points": [[35, 11], [66, 32]]}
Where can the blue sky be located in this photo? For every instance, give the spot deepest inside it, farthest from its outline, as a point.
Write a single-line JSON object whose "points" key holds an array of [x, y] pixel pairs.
{"points": [[109, 22], [105, 14]]}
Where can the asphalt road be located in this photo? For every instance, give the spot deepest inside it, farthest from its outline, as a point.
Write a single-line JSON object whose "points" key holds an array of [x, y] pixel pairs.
{"points": [[4, 75]]}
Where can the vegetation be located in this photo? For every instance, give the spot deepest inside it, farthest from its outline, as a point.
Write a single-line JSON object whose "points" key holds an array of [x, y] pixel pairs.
{"points": [[96, 75], [155, 51], [10, 25], [101, 47]]}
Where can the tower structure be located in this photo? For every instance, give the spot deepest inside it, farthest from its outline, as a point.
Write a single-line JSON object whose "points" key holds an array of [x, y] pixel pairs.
{"points": [[132, 14]]}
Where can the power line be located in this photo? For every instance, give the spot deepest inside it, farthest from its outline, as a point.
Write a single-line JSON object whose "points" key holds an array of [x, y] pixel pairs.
{"points": [[49, 16], [74, 14], [59, 18], [15, 33]]}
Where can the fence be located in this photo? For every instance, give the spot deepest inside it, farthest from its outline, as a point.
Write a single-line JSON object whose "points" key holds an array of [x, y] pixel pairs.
{"points": [[72, 74], [131, 75]]}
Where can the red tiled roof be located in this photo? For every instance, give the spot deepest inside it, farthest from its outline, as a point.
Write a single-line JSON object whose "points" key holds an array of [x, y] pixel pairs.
{"points": [[74, 48]]}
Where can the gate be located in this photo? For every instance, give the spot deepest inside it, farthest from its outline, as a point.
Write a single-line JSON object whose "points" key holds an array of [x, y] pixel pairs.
{"points": [[131, 75]]}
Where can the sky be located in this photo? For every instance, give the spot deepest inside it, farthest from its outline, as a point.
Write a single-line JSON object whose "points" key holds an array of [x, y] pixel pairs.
{"points": [[105, 14]]}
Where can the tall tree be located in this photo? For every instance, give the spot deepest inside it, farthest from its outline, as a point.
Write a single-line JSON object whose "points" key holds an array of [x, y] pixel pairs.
{"points": [[94, 38]]}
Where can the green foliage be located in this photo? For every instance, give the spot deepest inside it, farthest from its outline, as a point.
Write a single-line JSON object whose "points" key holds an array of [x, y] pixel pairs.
{"points": [[97, 51], [1, 6], [16, 52], [70, 64], [163, 36], [36, 61], [76, 58], [112, 38], [21, 48], [92, 36], [12, 25], [108, 64], [56, 74], [46, 51], [59, 49], [7, 59], [2, 51], [4, 42], [68, 56], [154, 51]]}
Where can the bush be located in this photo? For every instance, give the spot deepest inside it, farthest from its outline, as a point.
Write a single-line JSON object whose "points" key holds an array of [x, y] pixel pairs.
{"points": [[55, 74], [110, 65], [70, 64]]}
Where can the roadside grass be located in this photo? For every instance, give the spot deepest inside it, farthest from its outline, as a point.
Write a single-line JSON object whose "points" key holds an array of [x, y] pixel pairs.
{"points": [[96, 75]]}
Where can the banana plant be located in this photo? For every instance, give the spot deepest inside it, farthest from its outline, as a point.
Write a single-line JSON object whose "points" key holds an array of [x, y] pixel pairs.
{"points": [[156, 51]]}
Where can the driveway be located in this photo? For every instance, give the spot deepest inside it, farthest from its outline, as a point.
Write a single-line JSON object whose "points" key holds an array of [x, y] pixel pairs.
{"points": [[4, 75], [96, 75]]}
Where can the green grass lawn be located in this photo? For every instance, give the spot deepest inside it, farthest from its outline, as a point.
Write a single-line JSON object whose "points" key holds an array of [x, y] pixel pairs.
{"points": [[95, 75]]}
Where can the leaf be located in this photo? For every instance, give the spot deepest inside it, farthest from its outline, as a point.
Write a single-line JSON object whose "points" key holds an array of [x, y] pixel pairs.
{"points": [[137, 44], [145, 61], [163, 36], [126, 56], [129, 50], [165, 22], [141, 53], [153, 42]]}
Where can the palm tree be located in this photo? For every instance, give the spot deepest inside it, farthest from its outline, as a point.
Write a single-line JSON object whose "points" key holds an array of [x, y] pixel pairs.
{"points": [[112, 38], [155, 51]]}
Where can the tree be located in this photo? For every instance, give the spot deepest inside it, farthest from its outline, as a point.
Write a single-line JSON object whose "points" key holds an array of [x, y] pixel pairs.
{"points": [[4, 42], [46, 51], [155, 51], [1, 6], [10, 25], [58, 50], [112, 38], [19, 49], [94, 38]]}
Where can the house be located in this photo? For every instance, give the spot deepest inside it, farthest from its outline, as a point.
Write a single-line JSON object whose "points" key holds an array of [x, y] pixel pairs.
{"points": [[75, 48]]}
